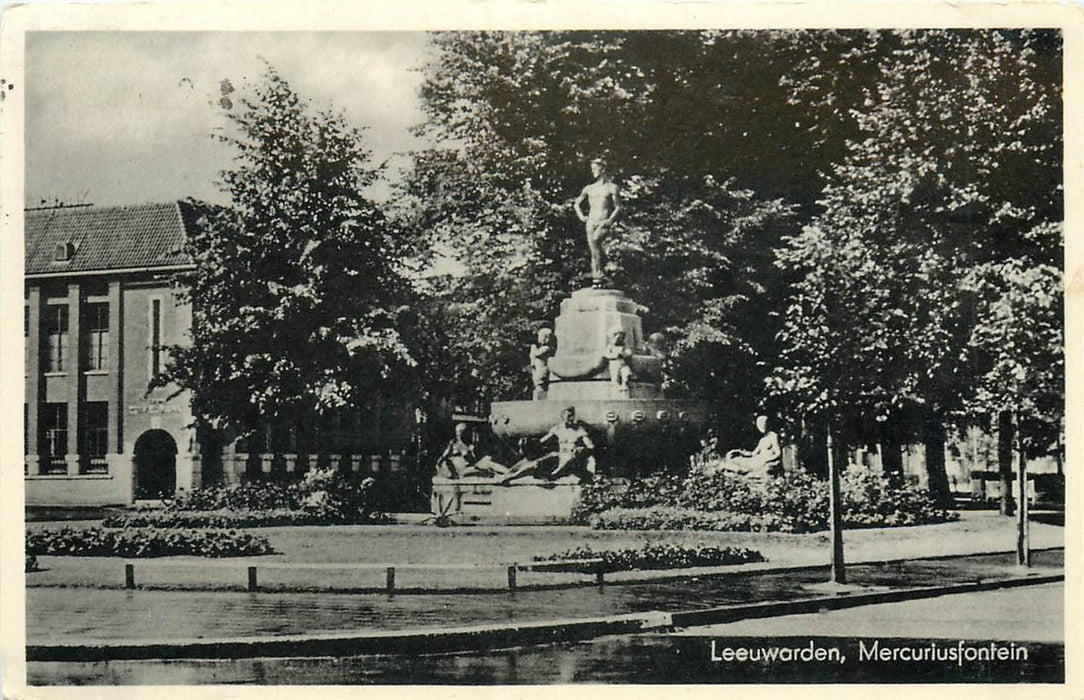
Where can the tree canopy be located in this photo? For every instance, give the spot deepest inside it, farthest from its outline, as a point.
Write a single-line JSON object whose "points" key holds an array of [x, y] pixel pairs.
{"points": [[521, 115], [869, 221], [931, 278], [297, 292]]}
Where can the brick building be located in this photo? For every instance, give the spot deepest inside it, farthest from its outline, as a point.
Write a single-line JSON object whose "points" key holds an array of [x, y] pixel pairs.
{"points": [[100, 311]]}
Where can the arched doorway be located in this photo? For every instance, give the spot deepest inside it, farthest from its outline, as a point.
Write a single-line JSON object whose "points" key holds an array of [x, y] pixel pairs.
{"points": [[155, 465]]}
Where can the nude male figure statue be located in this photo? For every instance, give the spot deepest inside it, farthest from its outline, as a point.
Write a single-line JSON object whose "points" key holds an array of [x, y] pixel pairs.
{"points": [[605, 204]]}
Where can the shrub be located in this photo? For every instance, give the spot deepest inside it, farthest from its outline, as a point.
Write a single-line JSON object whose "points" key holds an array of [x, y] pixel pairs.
{"points": [[31, 563], [322, 497], [328, 495], [874, 500], [797, 502], [605, 493], [145, 542], [651, 556], [255, 496]]}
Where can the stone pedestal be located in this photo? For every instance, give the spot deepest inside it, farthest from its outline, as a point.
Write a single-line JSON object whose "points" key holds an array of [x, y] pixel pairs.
{"points": [[523, 501], [635, 429], [584, 330]]}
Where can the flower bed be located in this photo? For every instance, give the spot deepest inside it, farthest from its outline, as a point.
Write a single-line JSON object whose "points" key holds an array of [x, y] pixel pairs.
{"points": [[232, 518], [797, 502], [145, 542], [650, 556], [673, 518]]}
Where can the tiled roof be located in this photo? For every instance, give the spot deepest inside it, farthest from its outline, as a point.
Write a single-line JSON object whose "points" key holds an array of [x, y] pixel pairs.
{"points": [[108, 238]]}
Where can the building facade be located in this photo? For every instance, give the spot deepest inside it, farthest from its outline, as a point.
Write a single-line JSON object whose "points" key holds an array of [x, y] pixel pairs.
{"points": [[99, 314]]}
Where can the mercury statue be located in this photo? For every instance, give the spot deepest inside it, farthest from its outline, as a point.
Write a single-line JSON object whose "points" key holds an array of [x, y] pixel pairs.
{"points": [[605, 203]]}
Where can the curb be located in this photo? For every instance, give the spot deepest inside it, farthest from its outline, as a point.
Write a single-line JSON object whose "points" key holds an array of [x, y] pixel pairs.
{"points": [[433, 641], [618, 578], [428, 641]]}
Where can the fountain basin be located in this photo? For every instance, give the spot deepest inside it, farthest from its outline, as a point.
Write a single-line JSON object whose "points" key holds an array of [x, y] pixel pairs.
{"points": [[632, 436]]}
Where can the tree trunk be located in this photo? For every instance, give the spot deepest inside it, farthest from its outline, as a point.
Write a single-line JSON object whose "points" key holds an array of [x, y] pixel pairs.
{"points": [[891, 451], [1004, 461], [835, 507], [934, 441]]}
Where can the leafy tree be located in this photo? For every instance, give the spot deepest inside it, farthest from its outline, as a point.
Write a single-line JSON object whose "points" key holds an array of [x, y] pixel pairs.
{"points": [[930, 285], [297, 295], [518, 116]]}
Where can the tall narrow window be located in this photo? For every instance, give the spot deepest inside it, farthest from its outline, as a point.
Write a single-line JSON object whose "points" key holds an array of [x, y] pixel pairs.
{"points": [[96, 340], [95, 443], [55, 434], [56, 329], [156, 338]]}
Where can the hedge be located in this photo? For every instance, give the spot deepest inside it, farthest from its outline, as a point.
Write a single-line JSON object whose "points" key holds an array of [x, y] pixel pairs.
{"points": [[145, 542]]}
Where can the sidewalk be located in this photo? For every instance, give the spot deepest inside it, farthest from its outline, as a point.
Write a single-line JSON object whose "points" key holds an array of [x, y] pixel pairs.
{"points": [[348, 559]]}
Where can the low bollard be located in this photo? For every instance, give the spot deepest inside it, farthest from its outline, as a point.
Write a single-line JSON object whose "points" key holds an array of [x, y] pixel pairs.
{"points": [[512, 577], [252, 583], [390, 582], [129, 576]]}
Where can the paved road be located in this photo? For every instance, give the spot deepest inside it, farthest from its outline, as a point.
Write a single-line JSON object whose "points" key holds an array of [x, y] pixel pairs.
{"points": [[682, 657], [57, 614]]}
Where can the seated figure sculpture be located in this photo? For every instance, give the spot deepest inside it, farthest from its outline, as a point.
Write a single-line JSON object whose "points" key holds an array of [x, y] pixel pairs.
{"points": [[618, 355], [459, 459], [573, 456], [765, 460], [457, 456], [541, 351]]}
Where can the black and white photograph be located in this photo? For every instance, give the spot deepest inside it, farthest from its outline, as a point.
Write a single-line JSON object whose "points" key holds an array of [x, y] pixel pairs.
{"points": [[582, 344]]}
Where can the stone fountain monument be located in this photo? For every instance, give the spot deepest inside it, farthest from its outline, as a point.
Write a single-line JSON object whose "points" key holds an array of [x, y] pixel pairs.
{"points": [[597, 362]]}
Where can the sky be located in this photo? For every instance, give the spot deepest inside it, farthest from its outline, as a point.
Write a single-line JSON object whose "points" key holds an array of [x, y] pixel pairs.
{"points": [[127, 117]]}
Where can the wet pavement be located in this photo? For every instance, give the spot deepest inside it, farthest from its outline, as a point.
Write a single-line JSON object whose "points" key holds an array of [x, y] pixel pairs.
{"points": [[1027, 614], [57, 615], [689, 656]]}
